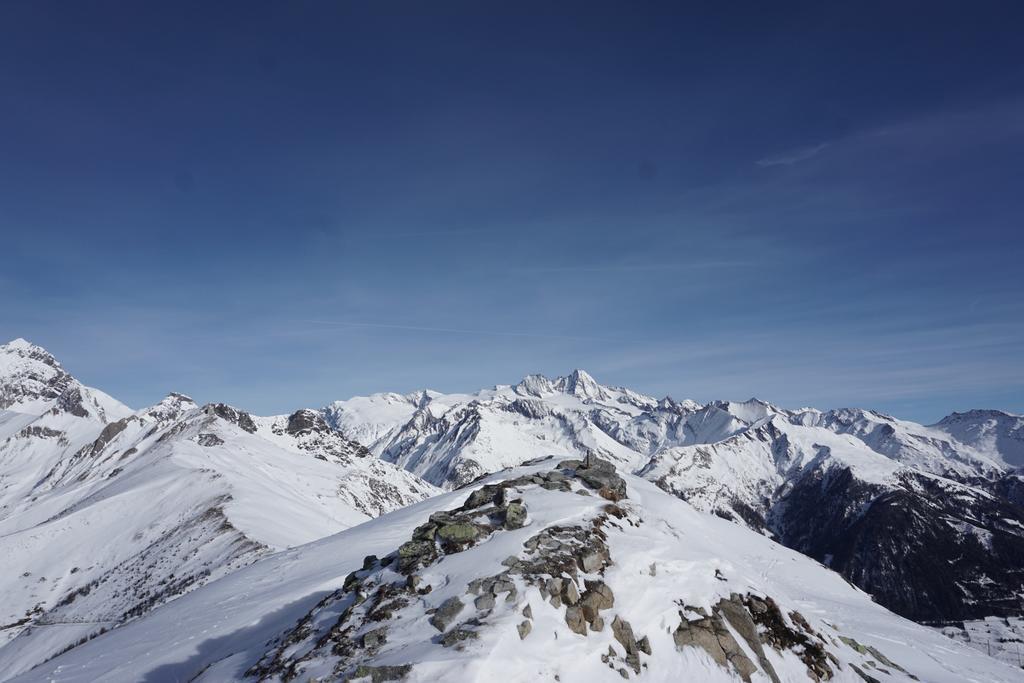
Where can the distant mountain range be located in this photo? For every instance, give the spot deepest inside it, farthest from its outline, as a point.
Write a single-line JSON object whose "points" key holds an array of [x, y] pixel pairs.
{"points": [[109, 515]]}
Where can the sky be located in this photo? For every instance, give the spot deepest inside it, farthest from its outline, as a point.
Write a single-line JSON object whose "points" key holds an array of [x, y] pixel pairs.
{"points": [[278, 205]]}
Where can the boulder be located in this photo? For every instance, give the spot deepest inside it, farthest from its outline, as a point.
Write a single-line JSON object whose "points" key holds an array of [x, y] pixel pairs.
{"points": [[515, 516], [446, 613], [575, 621], [458, 532]]}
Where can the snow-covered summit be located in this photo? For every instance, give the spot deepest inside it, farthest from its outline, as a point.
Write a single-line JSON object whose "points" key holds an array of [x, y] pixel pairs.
{"points": [[33, 381]]}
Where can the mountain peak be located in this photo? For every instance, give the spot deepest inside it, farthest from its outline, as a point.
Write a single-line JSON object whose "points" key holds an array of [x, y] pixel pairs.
{"points": [[581, 384], [29, 373]]}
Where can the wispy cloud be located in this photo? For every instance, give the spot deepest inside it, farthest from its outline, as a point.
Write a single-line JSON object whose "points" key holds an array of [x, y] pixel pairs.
{"points": [[793, 157], [454, 330], [635, 267]]}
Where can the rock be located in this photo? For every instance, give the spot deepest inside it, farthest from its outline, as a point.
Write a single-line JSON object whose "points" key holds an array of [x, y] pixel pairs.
{"points": [[491, 493], [574, 619], [644, 645], [515, 516], [484, 602], [381, 674], [512, 562], [209, 440], [623, 633], [738, 617], [369, 561], [424, 532], [598, 474], [446, 613], [458, 532], [597, 596], [375, 638], [412, 581], [457, 636], [412, 553], [528, 612], [597, 623], [864, 676], [524, 629], [591, 562], [713, 636], [570, 594], [306, 421], [226, 412]]}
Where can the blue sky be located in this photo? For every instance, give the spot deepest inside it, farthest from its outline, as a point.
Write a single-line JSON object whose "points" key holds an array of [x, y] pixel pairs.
{"points": [[281, 204]]}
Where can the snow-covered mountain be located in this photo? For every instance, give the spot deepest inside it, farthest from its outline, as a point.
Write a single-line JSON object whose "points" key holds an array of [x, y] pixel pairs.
{"points": [[877, 498], [106, 512], [551, 571], [119, 526]]}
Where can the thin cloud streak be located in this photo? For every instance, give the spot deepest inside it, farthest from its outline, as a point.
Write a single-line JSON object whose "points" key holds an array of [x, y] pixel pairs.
{"points": [[635, 268], [793, 157], [452, 330]]}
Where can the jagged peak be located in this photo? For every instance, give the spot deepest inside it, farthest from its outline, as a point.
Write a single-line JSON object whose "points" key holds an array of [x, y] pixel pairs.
{"points": [[29, 374], [534, 385], [582, 384], [19, 343], [22, 348]]}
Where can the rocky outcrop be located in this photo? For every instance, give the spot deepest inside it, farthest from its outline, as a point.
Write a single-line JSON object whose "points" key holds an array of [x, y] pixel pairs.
{"points": [[760, 623], [561, 564], [232, 415]]}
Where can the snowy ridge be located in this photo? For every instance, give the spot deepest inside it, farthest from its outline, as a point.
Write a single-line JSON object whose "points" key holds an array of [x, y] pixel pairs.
{"points": [[107, 513], [112, 519], [805, 477], [572, 586]]}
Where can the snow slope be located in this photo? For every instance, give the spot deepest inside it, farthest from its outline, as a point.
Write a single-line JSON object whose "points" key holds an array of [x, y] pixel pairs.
{"points": [[656, 578], [106, 513]]}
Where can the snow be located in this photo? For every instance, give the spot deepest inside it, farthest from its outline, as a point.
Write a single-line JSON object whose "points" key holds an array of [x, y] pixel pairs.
{"points": [[210, 538], [216, 632], [998, 637], [138, 512]]}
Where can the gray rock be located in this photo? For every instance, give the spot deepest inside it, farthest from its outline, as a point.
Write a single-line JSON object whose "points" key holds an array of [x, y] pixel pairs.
{"points": [[515, 516], [484, 602], [739, 618], [446, 613], [458, 532], [591, 562], [644, 645], [574, 619], [457, 636], [524, 629], [570, 594], [712, 635], [528, 612], [623, 633]]}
